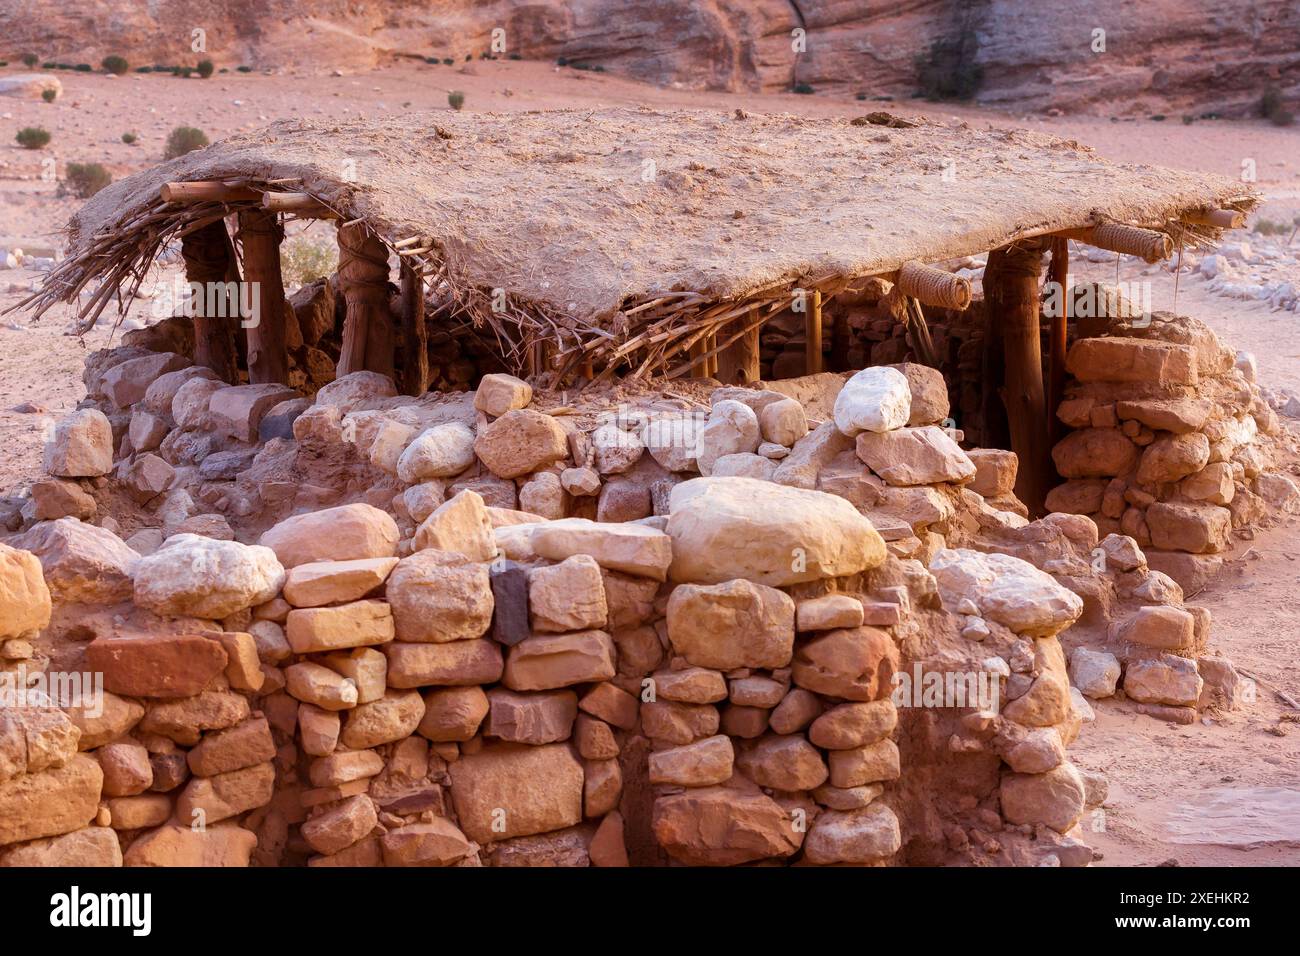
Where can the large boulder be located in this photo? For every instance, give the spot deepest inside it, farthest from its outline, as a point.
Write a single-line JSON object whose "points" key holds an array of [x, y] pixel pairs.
{"points": [[81, 562], [1094, 453], [51, 802], [731, 625], [24, 597], [440, 596], [344, 533], [1053, 799], [915, 456], [723, 826], [631, 548], [157, 665], [510, 790], [462, 526], [1004, 589], [876, 399], [521, 441], [727, 528], [1117, 359], [202, 577], [439, 452], [853, 836], [82, 446]]}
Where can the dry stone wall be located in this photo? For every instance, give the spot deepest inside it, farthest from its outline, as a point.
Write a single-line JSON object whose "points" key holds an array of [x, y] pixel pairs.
{"points": [[797, 626]]}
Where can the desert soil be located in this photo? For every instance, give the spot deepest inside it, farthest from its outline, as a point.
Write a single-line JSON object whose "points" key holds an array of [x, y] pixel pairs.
{"points": [[1224, 791]]}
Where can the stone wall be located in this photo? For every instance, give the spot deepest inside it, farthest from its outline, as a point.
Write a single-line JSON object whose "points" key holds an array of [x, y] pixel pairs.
{"points": [[704, 676]]}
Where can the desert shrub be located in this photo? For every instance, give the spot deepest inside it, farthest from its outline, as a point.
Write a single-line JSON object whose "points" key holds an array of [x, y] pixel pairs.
{"points": [[205, 68], [304, 259], [949, 71], [184, 139], [85, 179], [49, 94], [515, 56], [1271, 108], [4, 62], [456, 99], [1158, 118], [144, 69], [244, 69], [85, 68], [33, 137], [432, 60], [115, 64], [129, 138], [49, 66], [804, 88], [447, 61], [29, 59], [561, 61]]}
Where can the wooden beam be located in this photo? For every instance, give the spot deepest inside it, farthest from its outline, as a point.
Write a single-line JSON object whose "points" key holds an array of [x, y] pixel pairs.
{"points": [[1219, 218], [207, 191], [1150, 245], [1058, 272], [1011, 292], [934, 287], [813, 334], [363, 277], [415, 338], [738, 363], [303, 205], [268, 360], [208, 256]]}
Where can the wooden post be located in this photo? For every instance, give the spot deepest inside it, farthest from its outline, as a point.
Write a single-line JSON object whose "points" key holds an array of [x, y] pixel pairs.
{"points": [[711, 363], [209, 257], [363, 277], [813, 334], [738, 362], [1011, 292], [415, 337], [1058, 271], [268, 361]]}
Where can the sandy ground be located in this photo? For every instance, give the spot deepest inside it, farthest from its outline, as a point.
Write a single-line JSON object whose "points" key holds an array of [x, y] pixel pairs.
{"points": [[1231, 785]]}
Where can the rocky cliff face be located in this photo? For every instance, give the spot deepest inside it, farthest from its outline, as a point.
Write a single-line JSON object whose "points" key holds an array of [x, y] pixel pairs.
{"points": [[1158, 56]]}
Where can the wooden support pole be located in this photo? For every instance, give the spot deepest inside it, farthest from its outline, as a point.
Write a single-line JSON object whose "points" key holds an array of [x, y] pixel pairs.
{"points": [[710, 347], [415, 336], [209, 257], [363, 277], [1219, 218], [268, 360], [813, 334], [1011, 292], [1058, 272], [207, 191], [738, 362]]}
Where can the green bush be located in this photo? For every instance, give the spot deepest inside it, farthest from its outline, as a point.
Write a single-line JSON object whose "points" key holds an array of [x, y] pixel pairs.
{"points": [[561, 61], [244, 69], [115, 64], [49, 66], [515, 56], [949, 71], [30, 59], [205, 68], [49, 94], [85, 68], [4, 62], [303, 260], [804, 88], [85, 179], [129, 138], [432, 60], [144, 69], [456, 99], [33, 137], [184, 139]]}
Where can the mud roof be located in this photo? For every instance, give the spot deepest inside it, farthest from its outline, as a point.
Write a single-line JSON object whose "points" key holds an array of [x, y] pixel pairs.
{"points": [[602, 226]]}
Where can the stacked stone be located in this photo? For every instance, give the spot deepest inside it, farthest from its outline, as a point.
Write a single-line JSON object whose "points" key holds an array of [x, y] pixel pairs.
{"points": [[164, 764], [1017, 613], [1168, 445]]}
